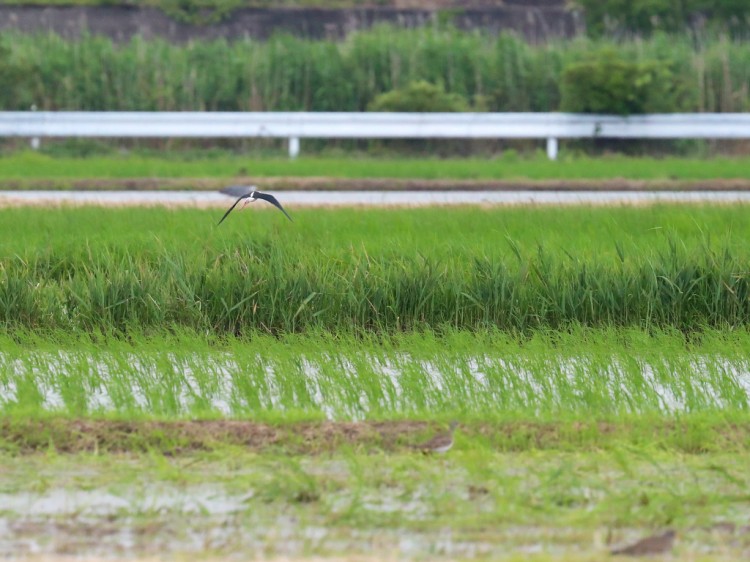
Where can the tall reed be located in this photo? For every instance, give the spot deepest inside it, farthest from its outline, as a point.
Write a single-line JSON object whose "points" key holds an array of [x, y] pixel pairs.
{"points": [[499, 73]]}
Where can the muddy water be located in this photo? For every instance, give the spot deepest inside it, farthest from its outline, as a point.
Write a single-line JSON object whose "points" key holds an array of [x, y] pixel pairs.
{"points": [[73, 511], [205, 499], [173, 519]]}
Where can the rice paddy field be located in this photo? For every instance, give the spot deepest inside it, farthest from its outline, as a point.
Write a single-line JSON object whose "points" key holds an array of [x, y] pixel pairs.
{"points": [[173, 389]]}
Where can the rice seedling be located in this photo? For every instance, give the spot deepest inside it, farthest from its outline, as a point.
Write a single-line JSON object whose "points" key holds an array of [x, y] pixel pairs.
{"points": [[377, 271], [478, 504], [609, 374], [595, 358]]}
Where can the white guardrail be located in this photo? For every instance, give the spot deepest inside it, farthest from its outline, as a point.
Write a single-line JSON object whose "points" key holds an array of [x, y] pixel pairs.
{"points": [[298, 125]]}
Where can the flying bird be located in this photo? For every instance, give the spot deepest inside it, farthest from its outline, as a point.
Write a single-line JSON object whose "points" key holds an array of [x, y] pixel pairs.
{"points": [[249, 194]]}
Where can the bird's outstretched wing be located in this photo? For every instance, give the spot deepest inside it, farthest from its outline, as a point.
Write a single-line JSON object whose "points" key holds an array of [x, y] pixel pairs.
{"points": [[237, 190], [232, 207], [272, 200]]}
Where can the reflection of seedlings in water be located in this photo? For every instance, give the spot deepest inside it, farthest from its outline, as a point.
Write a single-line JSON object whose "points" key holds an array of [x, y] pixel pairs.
{"points": [[416, 509], [352, 385], [289, 481]]}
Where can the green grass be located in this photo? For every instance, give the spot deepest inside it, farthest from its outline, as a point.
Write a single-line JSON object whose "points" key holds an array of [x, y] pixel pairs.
{"points": [[30, 165], [596, 359], [472, 504], [602, 375], [380, 271], [491, 72]]}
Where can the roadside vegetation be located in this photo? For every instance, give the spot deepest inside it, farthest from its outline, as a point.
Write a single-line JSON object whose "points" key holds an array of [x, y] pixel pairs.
{"points": [[663, 73], [62, 168]]}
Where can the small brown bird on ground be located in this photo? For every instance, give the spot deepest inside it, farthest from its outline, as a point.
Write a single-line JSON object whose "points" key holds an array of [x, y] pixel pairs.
{"points": [[656, 544], [440, 443]]}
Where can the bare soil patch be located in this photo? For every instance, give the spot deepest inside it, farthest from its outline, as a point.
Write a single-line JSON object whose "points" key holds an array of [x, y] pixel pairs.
{"points": [[311, 438], [372, 184]]}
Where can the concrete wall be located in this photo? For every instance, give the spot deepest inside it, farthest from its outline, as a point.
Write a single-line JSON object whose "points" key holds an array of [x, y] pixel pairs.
{"points": [[537, 22]]}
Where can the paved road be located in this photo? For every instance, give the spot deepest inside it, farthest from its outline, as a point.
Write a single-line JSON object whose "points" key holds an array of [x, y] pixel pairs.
{"points": [[372, 198]]}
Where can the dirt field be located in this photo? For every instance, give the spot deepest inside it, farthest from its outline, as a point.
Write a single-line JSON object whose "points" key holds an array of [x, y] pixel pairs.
{"points": [[311, 438], [379, 184]]}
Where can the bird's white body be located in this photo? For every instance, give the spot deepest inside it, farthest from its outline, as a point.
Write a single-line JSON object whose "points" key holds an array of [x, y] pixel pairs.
{"points": [[440, 443], [250, 199], [250, 196], [443, 448]]}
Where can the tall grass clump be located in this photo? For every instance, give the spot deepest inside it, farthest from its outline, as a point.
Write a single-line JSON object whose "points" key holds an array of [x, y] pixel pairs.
{"points": [[496, 73], [389, 272]]}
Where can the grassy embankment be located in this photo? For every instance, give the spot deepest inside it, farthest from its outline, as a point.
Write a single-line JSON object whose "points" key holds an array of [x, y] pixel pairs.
{"points": [[27, 170]]}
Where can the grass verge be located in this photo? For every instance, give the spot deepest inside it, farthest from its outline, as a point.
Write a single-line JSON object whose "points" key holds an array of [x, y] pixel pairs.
{"points": [[25, 168]]}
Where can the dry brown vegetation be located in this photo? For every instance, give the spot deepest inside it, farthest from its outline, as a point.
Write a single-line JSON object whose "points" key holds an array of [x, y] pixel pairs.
{"points": [[65, 435]]}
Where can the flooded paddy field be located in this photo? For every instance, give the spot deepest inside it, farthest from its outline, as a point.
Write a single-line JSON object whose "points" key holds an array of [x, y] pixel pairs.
{"points": [[474, 504], [577, 373], [174, 389], [307, 446]]}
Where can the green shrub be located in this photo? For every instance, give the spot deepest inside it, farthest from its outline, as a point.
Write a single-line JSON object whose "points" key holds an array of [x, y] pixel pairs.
{"points": [[197, 12], [494, 73], [76, 147], [647, 16], [421, 97], [608, 83], [15, 84]]}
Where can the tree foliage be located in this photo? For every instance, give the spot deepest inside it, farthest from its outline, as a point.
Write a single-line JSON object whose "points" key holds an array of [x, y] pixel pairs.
{"points": [[608, 83], [420, 97], [647, 16]]}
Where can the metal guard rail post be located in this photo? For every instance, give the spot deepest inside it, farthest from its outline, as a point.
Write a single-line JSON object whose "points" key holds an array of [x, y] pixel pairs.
{"points": [[298, 125]]}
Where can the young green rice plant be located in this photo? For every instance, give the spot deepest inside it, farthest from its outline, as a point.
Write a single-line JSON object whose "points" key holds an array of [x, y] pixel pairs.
{"points": [[584, 374], [388, 271], [470, 501]]}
